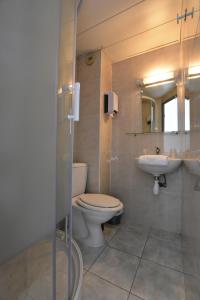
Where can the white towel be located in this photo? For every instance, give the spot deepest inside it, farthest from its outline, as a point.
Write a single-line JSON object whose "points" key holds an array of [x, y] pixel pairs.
{"points": [[161, 160]]}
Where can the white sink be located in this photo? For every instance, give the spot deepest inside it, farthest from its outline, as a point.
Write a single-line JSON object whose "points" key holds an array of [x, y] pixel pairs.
{"points": [[193, 165], [158, 168]]}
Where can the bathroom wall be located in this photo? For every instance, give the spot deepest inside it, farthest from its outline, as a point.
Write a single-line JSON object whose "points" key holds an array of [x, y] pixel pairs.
{"points": [[105, 125], [191, 234], [131, 185], [110, 147], [191, 190], [29, 64], [86, 146], [92, 141], [191, 223], [28, 85]]}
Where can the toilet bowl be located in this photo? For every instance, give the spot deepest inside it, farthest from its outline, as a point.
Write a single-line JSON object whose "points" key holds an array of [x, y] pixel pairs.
{"points": [[90, 210]]}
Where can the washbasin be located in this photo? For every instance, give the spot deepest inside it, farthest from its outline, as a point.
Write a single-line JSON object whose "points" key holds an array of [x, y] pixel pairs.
{"points": [[193, 165], [158, 164]]}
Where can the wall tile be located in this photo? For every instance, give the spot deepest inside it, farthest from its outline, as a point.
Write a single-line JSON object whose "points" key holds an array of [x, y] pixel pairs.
{"points": [[133, 186]]}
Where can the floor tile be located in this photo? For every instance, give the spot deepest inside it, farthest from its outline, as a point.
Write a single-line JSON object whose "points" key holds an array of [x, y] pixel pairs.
{"points": [[117, 267], [61, 285], [109, 231], [41, 288], [131, 242], [192, 287], [163, 253], [133, 297], [95, 288], [140, 229], [25, 296], [173, 237], [154, 282], [89, 254]]}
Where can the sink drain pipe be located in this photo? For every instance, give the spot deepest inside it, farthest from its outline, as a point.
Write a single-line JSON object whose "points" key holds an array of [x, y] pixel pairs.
{"points": [[156, 186], [159, 181]]}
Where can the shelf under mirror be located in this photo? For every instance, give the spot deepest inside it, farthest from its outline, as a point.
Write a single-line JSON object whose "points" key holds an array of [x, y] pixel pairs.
{"points": [[160, 132]]}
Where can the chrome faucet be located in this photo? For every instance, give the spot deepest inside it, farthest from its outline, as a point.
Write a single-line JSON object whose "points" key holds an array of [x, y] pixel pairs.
{"points": [[157, 150]]}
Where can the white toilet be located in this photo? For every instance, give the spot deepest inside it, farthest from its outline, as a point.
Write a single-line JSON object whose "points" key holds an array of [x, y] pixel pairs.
{"points": [[90, 210]]}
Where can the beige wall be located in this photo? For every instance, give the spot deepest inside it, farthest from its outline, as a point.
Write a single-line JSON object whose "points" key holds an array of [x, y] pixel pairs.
{"points": [[105, 125], [191, 194], [93, 131], [86, 146], [191, 223]]}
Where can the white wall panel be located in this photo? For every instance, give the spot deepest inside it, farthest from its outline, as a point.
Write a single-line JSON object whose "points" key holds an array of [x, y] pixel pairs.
{"points": [[149, 40], [133, 22], [94, 11]]}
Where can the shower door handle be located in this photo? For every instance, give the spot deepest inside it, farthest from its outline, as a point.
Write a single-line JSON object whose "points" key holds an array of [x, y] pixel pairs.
{"points": [[74, 116]]}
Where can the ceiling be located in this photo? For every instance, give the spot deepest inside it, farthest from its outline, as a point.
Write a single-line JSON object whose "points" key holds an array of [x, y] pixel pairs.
{"points": [[126, 28]]}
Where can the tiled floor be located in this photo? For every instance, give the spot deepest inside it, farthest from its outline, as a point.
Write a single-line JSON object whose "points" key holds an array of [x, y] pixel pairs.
{"points": [[135, 264], [39, 273]]}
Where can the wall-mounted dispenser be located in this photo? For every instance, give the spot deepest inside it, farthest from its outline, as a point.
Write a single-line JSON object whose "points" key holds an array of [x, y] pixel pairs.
{"points": [[74, 91], [111, 104]]}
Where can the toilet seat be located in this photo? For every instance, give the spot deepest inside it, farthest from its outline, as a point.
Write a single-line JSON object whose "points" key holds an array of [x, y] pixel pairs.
{"points": [[99, 202]]}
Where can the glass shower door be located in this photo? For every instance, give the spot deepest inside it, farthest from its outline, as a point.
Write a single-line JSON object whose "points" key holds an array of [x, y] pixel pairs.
{"points": [[65, 99], [190, 176], [36, 147]]}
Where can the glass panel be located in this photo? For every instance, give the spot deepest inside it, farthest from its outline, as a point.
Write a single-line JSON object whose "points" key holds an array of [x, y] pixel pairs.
{"points": [[28, 84], [187, 114], [191, 172], [28, 60], [29, 274], [28, 56], [64, 149], [171, 115], [156, 105]]}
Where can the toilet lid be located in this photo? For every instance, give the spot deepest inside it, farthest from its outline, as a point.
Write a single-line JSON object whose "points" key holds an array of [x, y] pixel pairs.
{"points": [[99, 201]]}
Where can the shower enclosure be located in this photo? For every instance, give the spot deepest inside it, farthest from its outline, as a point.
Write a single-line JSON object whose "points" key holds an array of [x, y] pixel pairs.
{"points": [[191, 176], [37, 41]]}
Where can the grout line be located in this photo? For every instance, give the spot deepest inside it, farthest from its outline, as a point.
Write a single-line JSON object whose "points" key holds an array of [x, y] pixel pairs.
{"points": [[139, 262], [164, 266], [147, 239], [171, 244], [97, 257], [135, 276], [86, 271], [114, 284], [135, 296], [170, 268], [133, 255], [113, 235], [123, 252]]}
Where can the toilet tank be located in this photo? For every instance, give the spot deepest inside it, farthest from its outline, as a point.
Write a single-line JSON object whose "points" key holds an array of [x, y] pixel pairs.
{"points": [[79, 178]]}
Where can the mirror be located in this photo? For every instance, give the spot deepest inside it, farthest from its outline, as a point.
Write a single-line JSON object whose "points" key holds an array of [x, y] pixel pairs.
{"points": [[192, 107], [159, 108]]}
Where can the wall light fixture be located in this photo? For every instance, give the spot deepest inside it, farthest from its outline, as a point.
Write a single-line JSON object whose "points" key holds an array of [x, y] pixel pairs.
{"points": [[158, 79]]}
